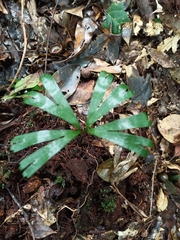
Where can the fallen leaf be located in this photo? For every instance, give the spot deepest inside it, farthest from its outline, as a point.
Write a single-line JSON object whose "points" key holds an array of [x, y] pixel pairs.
{"points": [[77, 11], [177, 151], [83, 93], [127, 30], [172, 165], [99, 65], [169, 128], [141, 86], [153, 28], [115, 170], [79, 169], [2, 8], [130, 232], [162, 201], [67, 79], [40, 229], [168, 43], [161, 58], [137, 24]]}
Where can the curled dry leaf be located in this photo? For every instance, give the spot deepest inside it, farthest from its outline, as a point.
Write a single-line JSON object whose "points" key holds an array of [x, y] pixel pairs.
{"points": [[169, 127]]}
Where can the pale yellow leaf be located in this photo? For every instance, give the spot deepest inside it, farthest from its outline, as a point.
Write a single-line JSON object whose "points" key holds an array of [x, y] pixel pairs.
{"points": [[137, 24], [153, 28], [77, 11], [175, 42], [169, 128], [162, 201], [165, 45], [168, 43], [2, 8]]}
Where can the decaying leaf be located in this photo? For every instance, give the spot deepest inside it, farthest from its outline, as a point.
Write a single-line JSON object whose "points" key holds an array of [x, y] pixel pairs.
{"points": [[77, 11], [99, 65], [67, 79], [137, 24], [2, 8], [127, 30], [83, 93], [40, 229], [177, 151], [172, 165], [168, 43], [161, 58], [162, 201], [83, 34], [175, 74], [172, 21], [153, 28], [29, 82], [130, 232], [141, 87], [169, 127], [115, 170]]}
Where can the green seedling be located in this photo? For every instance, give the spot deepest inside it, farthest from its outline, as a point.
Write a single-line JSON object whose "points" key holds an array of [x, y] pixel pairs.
{"points": [[60, 179], [59, 107], [115, 18], [108, 201]]}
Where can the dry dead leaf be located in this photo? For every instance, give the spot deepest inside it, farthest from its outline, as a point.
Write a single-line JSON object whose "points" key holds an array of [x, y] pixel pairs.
{"points": [[162, 201], [99, 65], [172, 166], [77, 11], [115, 170], [177, 151], [84, 32], [137, 24], [143, 54], [2, 8], [153, 28], [169, 127], [83, 93], [168, 43], [172, 21], [40, 229], [161, 58], [127, 30]]}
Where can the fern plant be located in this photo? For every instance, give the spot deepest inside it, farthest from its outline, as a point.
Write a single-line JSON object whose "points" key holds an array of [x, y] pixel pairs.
{"points": [[57, 139]]}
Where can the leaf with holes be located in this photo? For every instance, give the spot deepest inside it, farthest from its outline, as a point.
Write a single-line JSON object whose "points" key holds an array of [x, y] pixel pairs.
{"points": [[115, 18]]}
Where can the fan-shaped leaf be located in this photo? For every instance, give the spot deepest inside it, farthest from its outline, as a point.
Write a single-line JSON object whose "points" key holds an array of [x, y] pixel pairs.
{"points": [[25, 140], [129, 141], [59, 108], [135, 121], [119, 95], [37, 159]]}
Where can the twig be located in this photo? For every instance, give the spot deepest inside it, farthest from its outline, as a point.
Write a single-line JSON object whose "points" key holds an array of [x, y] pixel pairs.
{"points": [[48, 37], [24, 213], [141, 214], [25, 44], [152, 187]]}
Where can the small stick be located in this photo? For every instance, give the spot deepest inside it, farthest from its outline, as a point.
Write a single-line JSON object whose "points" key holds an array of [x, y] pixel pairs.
{"points": [[25, 44], [24, 213], [152, 187], [142, 215], [48, 37]]}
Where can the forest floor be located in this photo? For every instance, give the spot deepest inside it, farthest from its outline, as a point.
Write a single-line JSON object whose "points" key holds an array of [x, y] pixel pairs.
{"points": [[67, 198]]}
